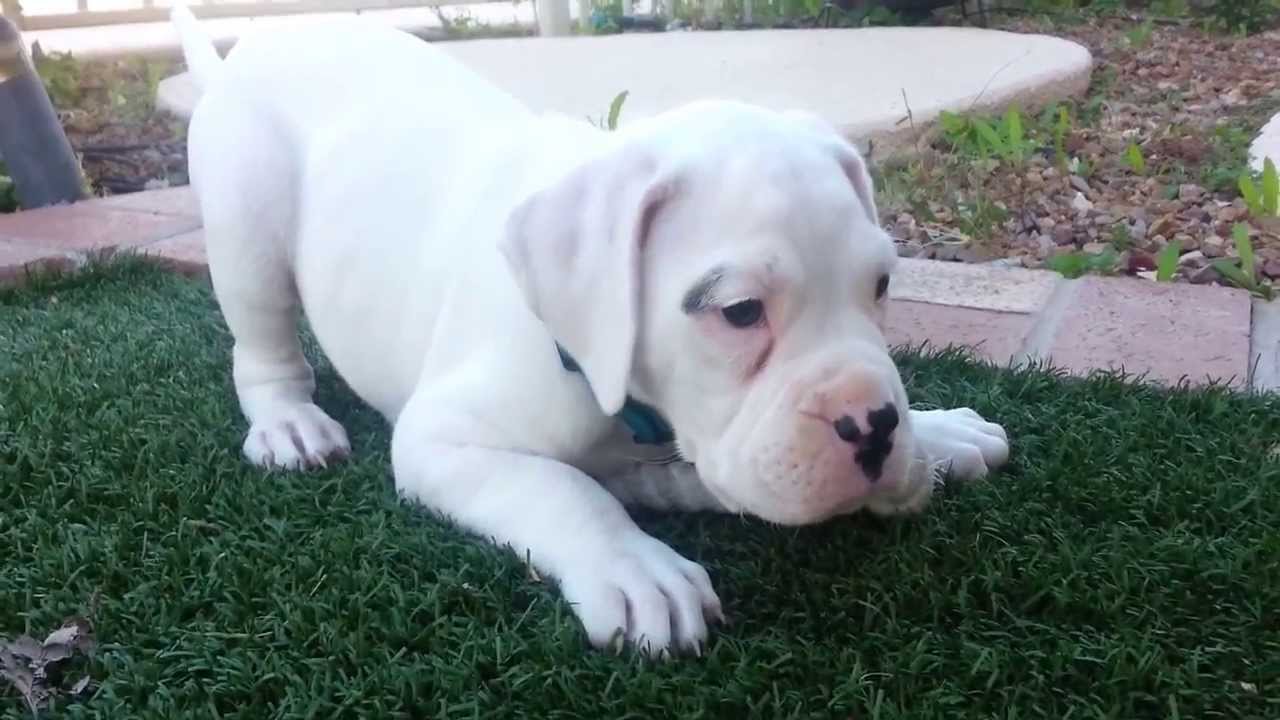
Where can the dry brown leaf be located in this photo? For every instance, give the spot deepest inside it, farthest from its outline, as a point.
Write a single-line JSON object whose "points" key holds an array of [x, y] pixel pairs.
{"points": [[81, 685], [33, 667]]}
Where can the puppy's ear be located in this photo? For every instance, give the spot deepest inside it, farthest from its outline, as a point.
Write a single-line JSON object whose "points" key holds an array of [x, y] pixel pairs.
{"points": [[575, 250], [855, 168]]}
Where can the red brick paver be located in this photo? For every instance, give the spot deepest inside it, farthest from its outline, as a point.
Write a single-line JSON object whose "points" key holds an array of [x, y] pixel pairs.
{"points": [[1164, 330], [91, 226], [993, 336], [17, 260], [183, 253], [179, 200]]}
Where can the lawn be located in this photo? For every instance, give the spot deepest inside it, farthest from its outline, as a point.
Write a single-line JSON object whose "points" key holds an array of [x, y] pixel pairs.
{"points": [[1127, 564]]}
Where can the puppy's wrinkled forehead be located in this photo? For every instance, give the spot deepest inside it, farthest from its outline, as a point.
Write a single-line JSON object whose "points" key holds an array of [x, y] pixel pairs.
{"points": [[786, 196]]}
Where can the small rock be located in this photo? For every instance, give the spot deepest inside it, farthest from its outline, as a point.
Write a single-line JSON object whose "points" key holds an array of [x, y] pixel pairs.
{"points": [[1104, 220], [1271, 269], [910, 249], [1094, 248], [1049, 173], [1194, 259], [1064, 235], [1046, 223], [1034, 178], [1080, 184], [1231, 214], [1027, 221], [947, 253], [1138, 229], [1147, 274], [1186, 242], [1204, 276], [1080, 203], [1213, 247], [1164, 225], [1045, 245], [1140, 261], [1190, 192], [905, 219]]}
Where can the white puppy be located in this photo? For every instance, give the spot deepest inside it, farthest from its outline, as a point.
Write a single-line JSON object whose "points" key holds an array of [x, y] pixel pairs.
{"points": [[528, 300]]}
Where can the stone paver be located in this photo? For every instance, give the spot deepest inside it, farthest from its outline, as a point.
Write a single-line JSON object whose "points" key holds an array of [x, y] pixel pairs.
{"points": [[91, 226], [985, 287], [1163, 331], [1166, 331]]}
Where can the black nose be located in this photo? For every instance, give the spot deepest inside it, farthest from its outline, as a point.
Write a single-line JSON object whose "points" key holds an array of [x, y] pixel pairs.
{"points": [[874, 446], [882, 423], [847, 429]]}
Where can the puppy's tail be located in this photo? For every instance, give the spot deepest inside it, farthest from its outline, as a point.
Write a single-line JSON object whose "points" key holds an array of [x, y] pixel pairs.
{"points": [[197, 48]]}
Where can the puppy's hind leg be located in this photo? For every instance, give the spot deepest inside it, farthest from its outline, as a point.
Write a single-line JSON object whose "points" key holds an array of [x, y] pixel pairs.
{"points": [[245, 176]]}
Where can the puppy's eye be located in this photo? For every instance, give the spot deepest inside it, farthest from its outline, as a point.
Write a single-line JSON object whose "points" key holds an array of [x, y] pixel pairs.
{"points": [[882, 287], [744, 313]]}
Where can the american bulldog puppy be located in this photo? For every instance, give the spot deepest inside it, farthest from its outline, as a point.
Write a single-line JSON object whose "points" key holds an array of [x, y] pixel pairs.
{"points": [[559, 322]]}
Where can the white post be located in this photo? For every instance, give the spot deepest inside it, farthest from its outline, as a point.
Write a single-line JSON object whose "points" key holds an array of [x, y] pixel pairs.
{"points": [[746, 12], [628, 7], [553, 17], [584, 16]]}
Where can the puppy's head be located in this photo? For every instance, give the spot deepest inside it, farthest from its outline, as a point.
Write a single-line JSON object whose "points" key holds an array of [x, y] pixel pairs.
{"points": [[724, 264]]}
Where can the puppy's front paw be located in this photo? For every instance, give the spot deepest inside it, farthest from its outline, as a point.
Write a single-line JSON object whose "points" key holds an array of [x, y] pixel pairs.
{"points": [[645, 593], [296, 437], [965, 445]]}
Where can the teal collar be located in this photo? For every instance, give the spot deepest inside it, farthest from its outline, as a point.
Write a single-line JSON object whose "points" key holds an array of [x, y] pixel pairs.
{"points": [[646, 425]]}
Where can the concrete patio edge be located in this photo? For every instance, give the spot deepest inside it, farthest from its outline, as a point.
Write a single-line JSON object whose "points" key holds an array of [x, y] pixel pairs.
{"points": [[1162, 332]]}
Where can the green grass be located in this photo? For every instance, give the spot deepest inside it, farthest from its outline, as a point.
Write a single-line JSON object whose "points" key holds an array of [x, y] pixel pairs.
{"points": [[1127, 565]]}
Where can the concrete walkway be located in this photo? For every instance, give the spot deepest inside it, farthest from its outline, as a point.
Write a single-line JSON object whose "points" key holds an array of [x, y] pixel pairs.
{"points": [[885, 85], [1167, 332], [158, 39]]}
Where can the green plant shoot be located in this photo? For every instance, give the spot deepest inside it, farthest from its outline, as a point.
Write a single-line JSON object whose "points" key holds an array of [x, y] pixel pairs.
{"points": [[1137, 163], [1167, 261], [1264, 200], [615, 109]]}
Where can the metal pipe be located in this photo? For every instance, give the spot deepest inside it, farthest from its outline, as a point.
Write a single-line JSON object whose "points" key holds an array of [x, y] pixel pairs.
{"points": [[36, 151]]}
